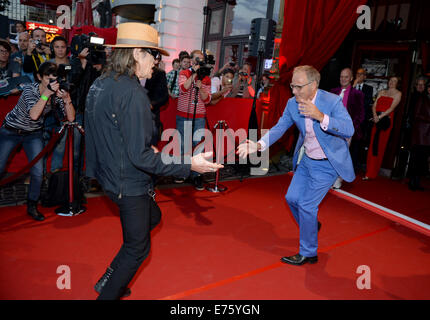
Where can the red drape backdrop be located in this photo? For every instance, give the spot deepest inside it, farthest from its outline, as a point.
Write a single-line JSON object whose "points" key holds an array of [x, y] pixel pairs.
{"points": [[312, 32]]}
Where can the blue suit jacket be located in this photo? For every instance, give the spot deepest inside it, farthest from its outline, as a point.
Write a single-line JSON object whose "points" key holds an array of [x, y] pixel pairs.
{"points": [[333, 141]]}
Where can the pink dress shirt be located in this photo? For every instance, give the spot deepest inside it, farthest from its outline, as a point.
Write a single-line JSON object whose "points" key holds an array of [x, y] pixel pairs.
{"points": [[312, 147]]}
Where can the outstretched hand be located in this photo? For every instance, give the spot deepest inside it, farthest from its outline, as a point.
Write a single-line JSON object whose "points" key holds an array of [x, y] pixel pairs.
{"points": [[200, 163], [246, 148]]}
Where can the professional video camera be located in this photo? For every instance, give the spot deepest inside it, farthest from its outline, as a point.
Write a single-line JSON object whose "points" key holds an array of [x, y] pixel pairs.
{"points": [[97, 54], [205, 66], [62, 77]]}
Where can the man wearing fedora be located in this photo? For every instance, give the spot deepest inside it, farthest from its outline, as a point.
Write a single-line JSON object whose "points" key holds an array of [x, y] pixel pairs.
{"points": [[119, 130]]}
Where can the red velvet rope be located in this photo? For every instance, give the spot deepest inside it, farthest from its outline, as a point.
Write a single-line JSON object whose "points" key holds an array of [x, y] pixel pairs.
{"points": [[49, 147]]}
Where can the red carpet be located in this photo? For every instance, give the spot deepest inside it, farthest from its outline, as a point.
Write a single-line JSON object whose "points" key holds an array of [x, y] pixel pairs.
{"points": [[217, 246], [394, 195]]}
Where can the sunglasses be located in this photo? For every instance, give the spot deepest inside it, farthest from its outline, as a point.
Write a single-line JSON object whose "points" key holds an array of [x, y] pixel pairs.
{"points": [[155, 53]]}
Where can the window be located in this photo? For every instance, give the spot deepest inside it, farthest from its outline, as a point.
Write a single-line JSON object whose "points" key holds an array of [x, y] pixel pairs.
{"points": [[238, 18], [215, 26]]}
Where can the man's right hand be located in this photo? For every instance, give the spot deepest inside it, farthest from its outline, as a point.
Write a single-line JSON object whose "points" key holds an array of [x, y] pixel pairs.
{"points": [[200, 163], [31, 47], [54, 86]]}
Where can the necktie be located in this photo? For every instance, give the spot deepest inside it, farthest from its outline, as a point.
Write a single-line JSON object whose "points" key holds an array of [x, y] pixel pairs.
{"points": [[342, 93]]}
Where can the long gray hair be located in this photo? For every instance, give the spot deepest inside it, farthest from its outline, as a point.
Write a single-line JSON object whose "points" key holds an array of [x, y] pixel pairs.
{"points": [[121, 62]]}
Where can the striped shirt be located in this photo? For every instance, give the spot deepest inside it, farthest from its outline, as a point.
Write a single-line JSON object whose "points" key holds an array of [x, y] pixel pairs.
{"points": [[19, 116], [186, 97]]}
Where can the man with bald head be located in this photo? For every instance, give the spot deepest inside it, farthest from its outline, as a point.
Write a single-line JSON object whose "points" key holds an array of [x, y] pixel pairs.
{"points": [[18, 57], [353, 100], [321, 153]]}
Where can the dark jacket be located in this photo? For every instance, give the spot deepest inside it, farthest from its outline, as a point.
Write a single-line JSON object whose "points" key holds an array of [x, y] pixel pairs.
{"points": [[368, 101], [355, 109], [118, 131], [157, 92], [421, 121]]}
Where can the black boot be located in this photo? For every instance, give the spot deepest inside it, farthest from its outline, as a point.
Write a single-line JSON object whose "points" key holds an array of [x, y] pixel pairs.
{"points": [[104, 279], [33, 212]]}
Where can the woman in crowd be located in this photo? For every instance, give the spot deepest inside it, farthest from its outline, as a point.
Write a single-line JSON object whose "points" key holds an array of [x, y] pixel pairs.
{"points": [[383, 115], [24, 123]]}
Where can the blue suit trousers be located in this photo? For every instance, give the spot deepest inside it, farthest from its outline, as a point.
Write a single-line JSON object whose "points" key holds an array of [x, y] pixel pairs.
{"points": [[311, 182]]}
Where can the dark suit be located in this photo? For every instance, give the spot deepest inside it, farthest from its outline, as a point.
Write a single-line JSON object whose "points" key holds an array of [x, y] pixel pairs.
{"points": [[355, 109], [159, 96], [368, 103]]}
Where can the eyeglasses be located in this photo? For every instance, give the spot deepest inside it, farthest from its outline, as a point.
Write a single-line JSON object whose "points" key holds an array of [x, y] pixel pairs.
{"points": [[155, 53], [293, 86], [4, 51]]}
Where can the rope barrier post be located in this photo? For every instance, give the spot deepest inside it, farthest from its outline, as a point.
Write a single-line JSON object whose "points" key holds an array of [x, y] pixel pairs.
{"points": [[73, 208], [215, 187]]}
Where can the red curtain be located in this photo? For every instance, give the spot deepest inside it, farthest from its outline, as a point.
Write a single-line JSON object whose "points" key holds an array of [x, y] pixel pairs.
{"points": [[84, 14], [312, 32]]}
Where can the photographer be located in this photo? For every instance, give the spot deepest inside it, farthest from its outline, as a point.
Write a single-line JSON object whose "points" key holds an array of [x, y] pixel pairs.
{"points": [[243, 86], [37, 52], [61, 59], [25, 122], [193, 84], [86, 63], [222, 90]]}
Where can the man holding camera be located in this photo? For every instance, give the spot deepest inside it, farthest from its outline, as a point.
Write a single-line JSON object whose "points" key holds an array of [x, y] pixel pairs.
{"points": [[194, 95], [37, 52], [243, 86], [223, 89]]}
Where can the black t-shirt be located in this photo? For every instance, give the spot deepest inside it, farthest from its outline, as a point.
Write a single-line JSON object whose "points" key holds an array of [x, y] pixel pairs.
{"points": [[6, 72]]}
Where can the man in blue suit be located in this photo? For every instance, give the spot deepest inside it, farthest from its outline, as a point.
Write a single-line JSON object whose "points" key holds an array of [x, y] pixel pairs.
{"points": [[321, 153]]}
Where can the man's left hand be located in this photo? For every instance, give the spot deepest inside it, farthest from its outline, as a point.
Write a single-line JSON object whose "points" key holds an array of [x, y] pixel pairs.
{"points": [[307, 108]]}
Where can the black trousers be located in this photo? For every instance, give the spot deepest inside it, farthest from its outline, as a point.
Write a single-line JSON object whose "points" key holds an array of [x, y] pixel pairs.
{"points": [[139, 215], [418, 163]]}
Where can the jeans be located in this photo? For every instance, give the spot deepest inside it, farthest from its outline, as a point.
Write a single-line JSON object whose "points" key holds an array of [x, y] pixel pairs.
{"points": [[310, 184], [33, 145], [184, 125], [138, 217], [59, 150]]}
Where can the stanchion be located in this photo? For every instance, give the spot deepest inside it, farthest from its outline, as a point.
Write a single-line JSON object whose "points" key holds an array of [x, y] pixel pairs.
{"points": [[73, 208], [215, 187]]}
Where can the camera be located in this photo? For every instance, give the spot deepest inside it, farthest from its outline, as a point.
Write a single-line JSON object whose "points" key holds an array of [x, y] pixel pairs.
{"points": [[39, 44], [62, 73], [232, 64], [97, 54], [205, 66]]}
